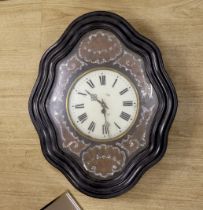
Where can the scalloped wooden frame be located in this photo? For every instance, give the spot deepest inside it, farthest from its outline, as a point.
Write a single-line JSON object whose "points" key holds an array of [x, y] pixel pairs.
{"points": [[158, 77]]}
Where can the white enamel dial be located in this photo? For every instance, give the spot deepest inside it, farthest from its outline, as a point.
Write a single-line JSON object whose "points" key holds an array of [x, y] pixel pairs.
{"points": [[102, 104]]}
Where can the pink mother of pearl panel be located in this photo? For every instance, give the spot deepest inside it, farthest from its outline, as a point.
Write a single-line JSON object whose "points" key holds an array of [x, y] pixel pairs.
{"points": [[96, 49]]}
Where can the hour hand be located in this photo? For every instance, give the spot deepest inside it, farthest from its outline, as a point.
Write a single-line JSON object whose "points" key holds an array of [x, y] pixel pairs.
{"points": [[92, 96]]}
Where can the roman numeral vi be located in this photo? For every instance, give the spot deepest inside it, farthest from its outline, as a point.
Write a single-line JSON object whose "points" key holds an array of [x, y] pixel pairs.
{"points": [[105, 129]]}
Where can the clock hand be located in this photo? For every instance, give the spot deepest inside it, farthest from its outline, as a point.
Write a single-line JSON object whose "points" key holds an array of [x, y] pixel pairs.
{"points": [[104, 104], [94, 98], [106, 122]]}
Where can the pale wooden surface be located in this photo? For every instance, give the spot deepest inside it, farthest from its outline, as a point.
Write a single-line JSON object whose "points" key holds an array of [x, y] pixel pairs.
{"points": [[27, 28]]}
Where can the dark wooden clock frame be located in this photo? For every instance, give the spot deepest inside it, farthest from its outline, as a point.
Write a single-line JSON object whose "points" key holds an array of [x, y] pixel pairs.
{"points": [[158, 78]]}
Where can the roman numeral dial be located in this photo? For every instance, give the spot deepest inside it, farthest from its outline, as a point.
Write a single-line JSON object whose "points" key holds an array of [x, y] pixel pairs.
{"points": [[125, 116], [90, 83], [102, 79], [82, 118], [123, 91], [92, 126], [105, 129], [115, 81], [102, 105], [79, 106], [127, 103]]}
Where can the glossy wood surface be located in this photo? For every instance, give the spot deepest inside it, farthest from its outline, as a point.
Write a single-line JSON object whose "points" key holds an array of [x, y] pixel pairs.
{"points": [[27, 28]]}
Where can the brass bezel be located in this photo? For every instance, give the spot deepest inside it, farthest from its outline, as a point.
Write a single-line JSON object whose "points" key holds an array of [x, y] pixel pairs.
{"points": [[75, 126]]}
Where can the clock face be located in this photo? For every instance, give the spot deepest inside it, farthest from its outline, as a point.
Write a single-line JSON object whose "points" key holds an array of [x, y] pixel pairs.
{"points": [[102, 104]]}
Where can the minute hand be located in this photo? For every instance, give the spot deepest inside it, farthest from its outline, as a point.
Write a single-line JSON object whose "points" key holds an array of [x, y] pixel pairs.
{"points": [[106, 122]]}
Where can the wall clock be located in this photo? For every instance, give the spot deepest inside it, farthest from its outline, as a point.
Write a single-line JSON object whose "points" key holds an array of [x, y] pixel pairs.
{"points": [[102, 104]]}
